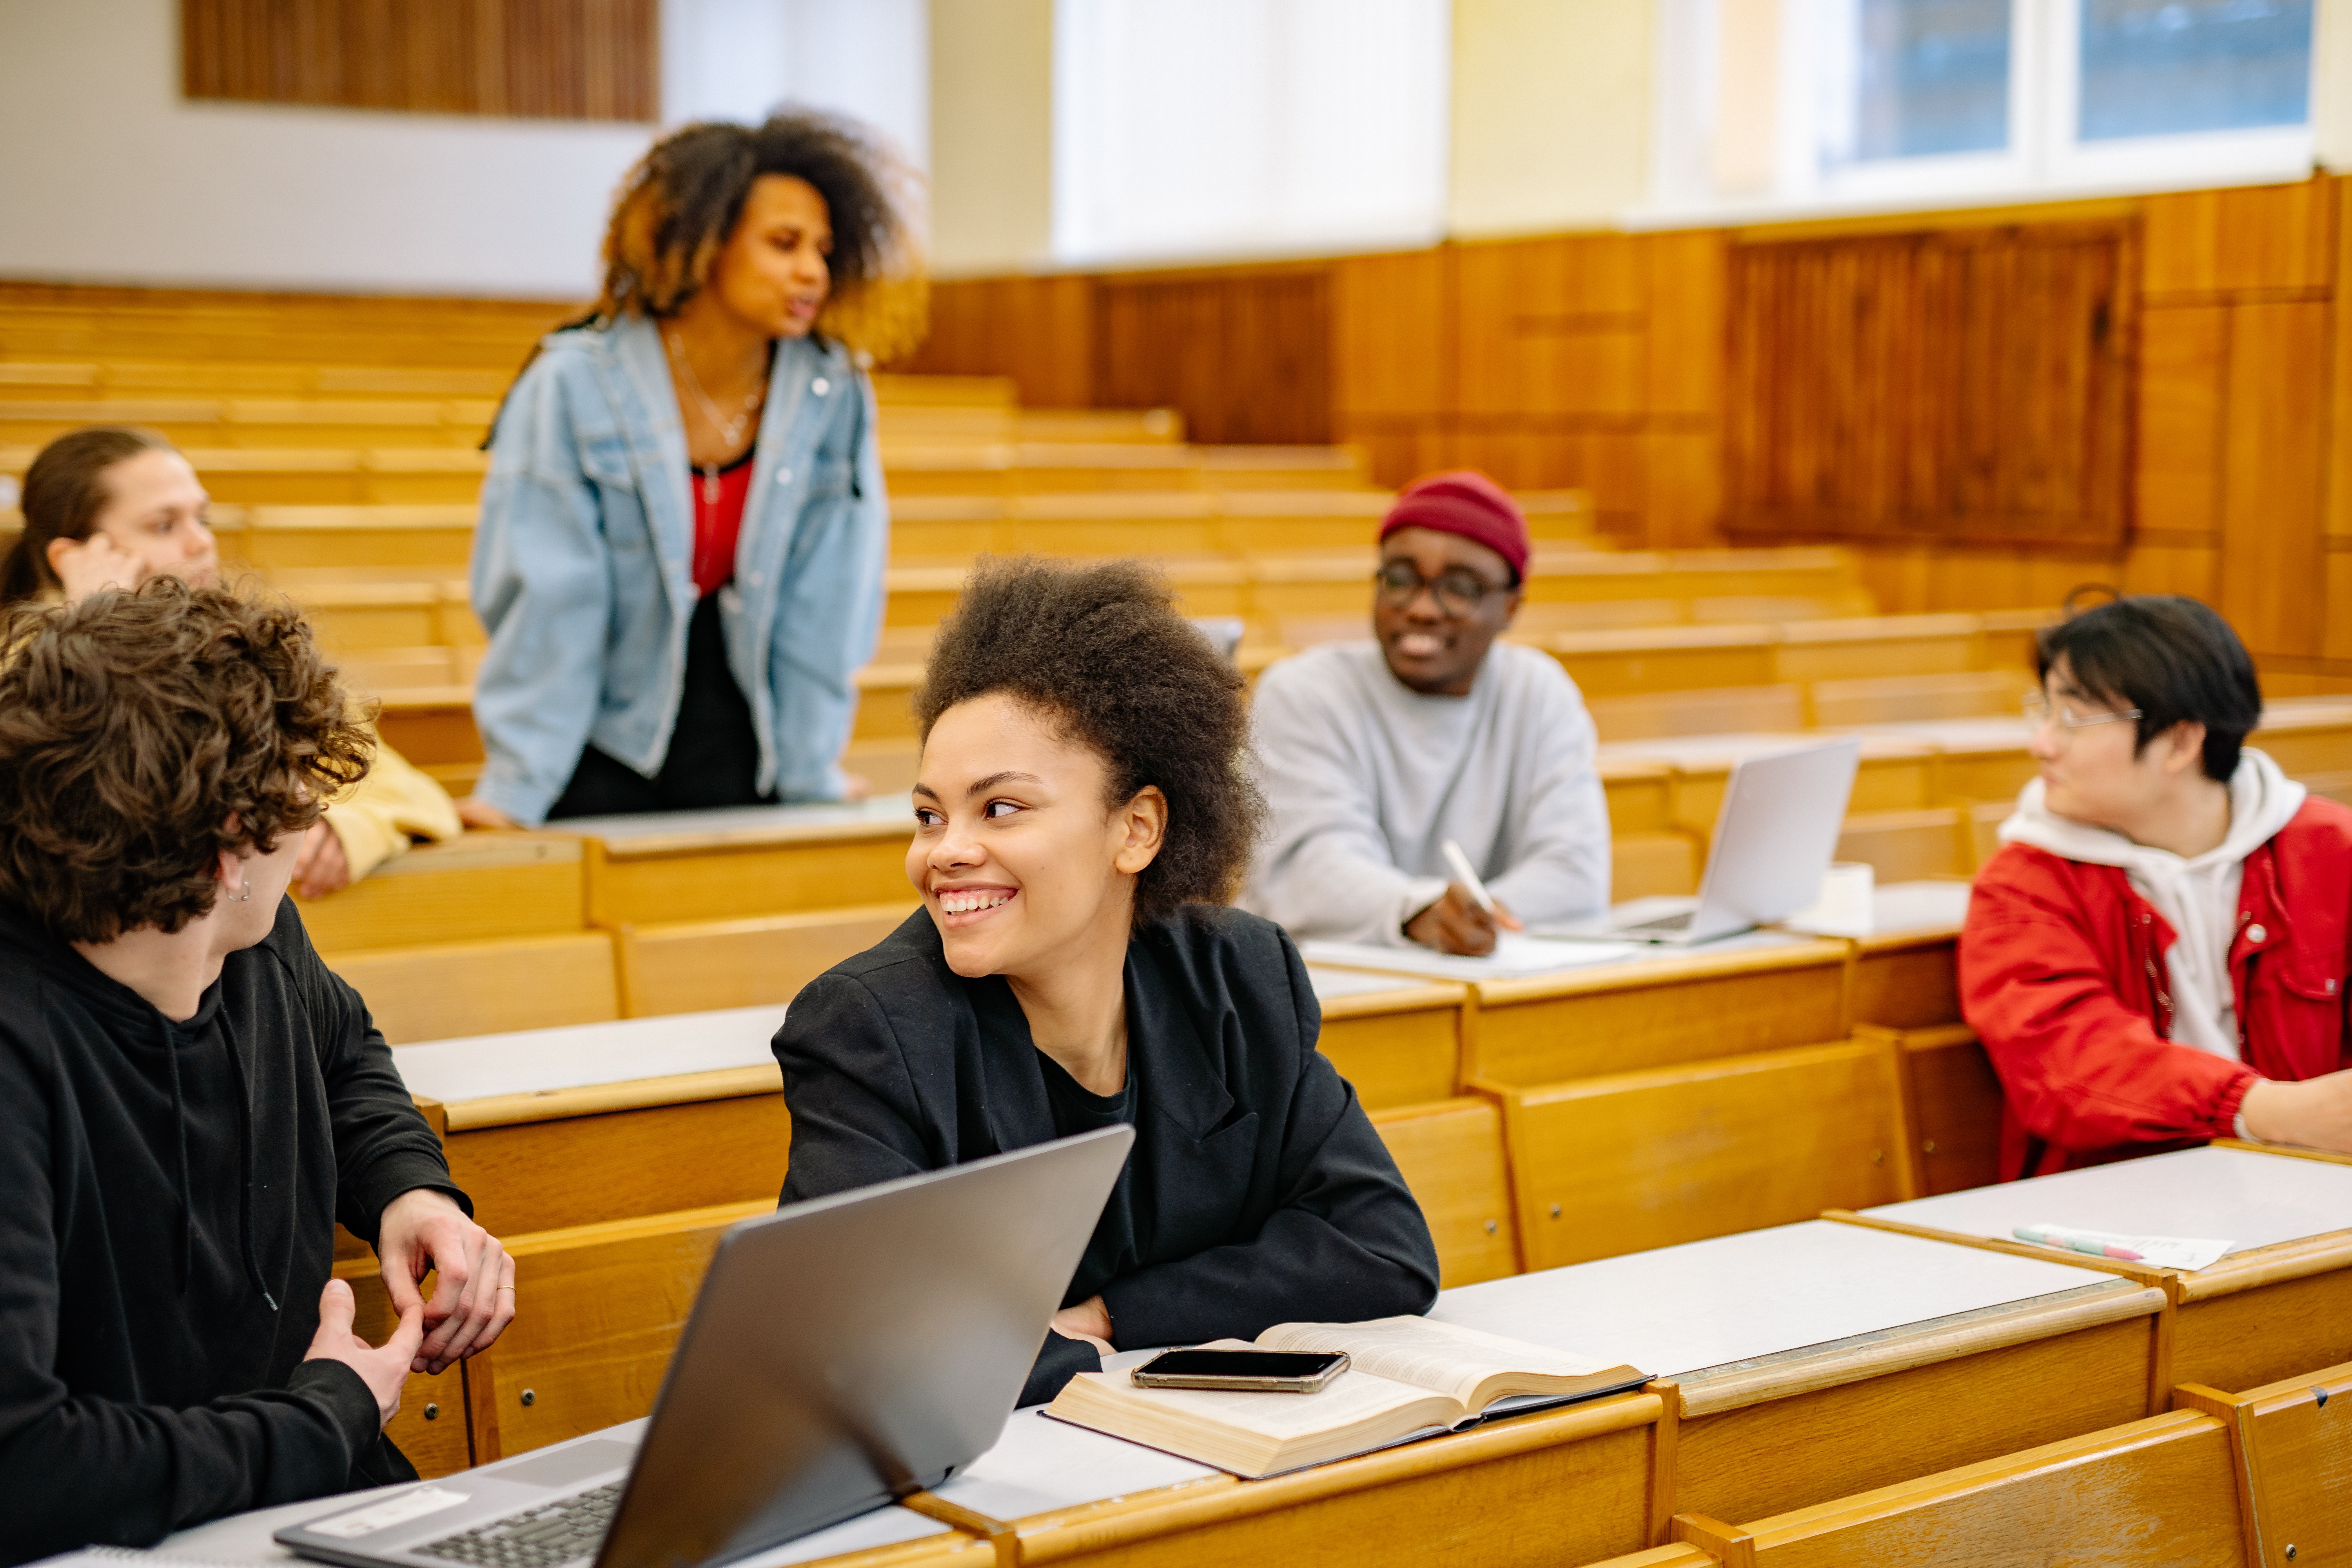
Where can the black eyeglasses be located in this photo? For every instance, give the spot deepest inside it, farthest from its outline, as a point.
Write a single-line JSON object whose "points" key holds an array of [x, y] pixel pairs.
{"points": [[1458, 590]]}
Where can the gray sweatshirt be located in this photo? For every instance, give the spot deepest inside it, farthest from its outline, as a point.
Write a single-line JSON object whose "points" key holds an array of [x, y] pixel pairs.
{"points": [[1368, 779]]}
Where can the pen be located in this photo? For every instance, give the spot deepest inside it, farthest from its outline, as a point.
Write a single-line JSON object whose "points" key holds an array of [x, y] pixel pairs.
{"points": [[1469, 878], [2075, 1243]]}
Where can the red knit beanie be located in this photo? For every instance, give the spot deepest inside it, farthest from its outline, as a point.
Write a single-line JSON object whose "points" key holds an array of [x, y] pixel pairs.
{"points": [[1466, 502]]}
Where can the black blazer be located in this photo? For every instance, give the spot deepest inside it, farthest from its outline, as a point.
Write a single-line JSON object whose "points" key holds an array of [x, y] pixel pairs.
{"points": [[1258, 1191]]}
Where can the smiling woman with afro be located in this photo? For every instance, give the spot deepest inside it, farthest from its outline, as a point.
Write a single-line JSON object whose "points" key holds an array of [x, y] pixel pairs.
{"points": [[1083, 807]]}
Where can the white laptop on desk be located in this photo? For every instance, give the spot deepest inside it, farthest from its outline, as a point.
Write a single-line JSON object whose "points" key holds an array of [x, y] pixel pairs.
{"points": [[1773, 838]]}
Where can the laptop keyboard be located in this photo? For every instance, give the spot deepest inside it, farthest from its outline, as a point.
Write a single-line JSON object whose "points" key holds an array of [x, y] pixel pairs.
{"points": [[1664, 922], [561, 1531]]}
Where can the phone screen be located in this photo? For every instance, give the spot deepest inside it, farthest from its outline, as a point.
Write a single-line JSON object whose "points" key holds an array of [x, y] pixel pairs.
{"points": [[1239, 1363]]}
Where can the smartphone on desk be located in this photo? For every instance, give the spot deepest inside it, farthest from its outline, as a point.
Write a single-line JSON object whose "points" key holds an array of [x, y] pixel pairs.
{"points": [[1254, 1371]]}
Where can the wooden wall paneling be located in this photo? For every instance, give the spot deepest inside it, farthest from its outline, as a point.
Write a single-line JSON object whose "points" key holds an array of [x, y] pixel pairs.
{"points": [[1966, 385], [565, 59], [1684, 322], [2177, 480], [1552, 327], [2202, 243], [1390, 345], [2336, 642], [1245, 355], [1038, 330], [2272, 575]]}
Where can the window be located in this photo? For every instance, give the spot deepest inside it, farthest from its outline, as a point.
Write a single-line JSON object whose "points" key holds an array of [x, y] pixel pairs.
{"points": [[1896, 101], [1247, 127]]}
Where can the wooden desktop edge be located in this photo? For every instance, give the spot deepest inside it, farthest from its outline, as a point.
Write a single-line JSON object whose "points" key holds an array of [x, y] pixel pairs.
{"points": [[1214, 1499], [2247, 1270], [597, 1098], [660, 845], [2285, 1150], [1844, 1362], [1626, 975], [1427, 996]]}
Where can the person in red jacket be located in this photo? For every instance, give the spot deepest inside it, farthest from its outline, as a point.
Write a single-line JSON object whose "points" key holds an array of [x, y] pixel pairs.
{"points": [[2158, 953]]}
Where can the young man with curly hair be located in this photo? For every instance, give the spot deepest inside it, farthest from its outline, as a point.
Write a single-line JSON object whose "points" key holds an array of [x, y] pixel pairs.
{"points": [[1377, 752], [1081, 813], [189, 1101], [2158, 954]]}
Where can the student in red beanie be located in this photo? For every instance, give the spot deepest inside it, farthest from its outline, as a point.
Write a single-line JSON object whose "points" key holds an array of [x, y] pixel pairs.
{"points": [[1377, 752]]}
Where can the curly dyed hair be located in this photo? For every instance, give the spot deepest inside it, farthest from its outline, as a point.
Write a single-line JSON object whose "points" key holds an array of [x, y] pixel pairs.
{"points": [[134, 726], [682, 200], [1102, 650]]}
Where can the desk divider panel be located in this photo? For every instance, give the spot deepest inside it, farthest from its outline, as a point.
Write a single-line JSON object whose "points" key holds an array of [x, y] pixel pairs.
{"points": [[574, 1157], [1629, 1162], [1658, 1012], [2294, 1453], [1402, 1047], [1452, 1156], [2088, 1498]]}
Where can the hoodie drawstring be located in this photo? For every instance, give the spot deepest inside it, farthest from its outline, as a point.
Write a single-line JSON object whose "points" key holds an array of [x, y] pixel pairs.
{"points": [[187, 1262], [245, 1163]]}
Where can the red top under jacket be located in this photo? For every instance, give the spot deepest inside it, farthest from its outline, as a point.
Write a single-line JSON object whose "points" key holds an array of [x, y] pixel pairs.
{"points": [[717, 524]]}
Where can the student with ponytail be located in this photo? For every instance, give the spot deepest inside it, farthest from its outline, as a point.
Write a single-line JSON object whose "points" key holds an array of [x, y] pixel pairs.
{"points": [[111, 507]]}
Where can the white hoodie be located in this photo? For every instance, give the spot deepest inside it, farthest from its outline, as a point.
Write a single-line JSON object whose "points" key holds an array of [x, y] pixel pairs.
{"points": [[2198, 897]]}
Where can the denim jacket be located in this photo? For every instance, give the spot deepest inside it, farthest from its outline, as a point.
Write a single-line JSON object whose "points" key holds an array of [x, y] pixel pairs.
{"points": [[583, 568]]}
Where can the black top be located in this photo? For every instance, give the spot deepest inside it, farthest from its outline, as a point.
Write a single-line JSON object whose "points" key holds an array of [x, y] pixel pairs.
{"points": [[171, 1195], [1256, 1192]]}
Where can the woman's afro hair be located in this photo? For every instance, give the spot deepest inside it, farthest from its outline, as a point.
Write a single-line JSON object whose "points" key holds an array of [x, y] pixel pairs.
{"points": [[1101, 648]]}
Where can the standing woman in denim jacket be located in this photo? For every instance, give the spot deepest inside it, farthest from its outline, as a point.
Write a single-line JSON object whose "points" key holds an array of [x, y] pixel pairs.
{"points": [[680, 555]]}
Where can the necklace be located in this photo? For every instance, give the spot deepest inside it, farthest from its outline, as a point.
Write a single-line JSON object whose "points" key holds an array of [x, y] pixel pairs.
{"points": [[729, 430]]}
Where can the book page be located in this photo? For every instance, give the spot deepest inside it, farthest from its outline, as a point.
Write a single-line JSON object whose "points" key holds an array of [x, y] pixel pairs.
{"points": [[1353, 1396], [1444, 1358]]}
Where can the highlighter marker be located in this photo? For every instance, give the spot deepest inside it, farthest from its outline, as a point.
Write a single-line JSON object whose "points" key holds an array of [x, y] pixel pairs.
{"points": [[2076, 1243]]}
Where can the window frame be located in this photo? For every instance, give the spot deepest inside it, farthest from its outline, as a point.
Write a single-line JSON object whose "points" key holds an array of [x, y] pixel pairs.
{"points": [[2044, 159]]}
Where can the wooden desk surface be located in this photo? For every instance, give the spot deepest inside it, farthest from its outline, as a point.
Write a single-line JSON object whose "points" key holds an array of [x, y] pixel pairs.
{"points": [[494, 1079], [1765, 991], [636, 835], [2251, 1199], [750, 860], [1733, 1298], [2278, 1304]]}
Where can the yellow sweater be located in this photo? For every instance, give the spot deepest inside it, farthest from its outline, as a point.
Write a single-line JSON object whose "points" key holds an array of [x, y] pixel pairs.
{"points": [[396, 802]]}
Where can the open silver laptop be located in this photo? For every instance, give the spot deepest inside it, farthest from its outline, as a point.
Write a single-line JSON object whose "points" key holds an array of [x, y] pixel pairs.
{"points": [[842, 1351], [1774, 835]]}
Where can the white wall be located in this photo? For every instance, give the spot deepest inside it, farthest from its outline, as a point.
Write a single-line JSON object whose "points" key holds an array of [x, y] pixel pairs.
{"points": [[1551, 114], [991, 119], [107, 175], [739, 59]]}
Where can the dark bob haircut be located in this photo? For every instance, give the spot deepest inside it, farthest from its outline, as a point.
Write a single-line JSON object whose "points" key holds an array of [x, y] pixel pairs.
{"points": [[1101, 648], [681, 201], [134, 726], [2173, 658]]}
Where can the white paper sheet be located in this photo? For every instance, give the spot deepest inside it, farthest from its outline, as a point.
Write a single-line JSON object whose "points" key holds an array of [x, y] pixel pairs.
{"points": [[1515, 956], [1040, 1465]]}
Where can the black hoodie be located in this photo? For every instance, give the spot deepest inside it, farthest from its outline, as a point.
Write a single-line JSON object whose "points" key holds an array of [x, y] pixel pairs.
{"points": [[168, 1195]]}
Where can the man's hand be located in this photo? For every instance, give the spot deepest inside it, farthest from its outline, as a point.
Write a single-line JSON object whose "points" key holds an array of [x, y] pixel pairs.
{"points": [[383, 1369], [2314, 1115], [480, 814], [321, 867], [1455, 924], [1088, 1321], [425, 1233], [92, 566]]}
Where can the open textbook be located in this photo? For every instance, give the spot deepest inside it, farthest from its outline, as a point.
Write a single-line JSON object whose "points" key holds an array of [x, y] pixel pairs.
{"points": [[1410, 1377]]}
